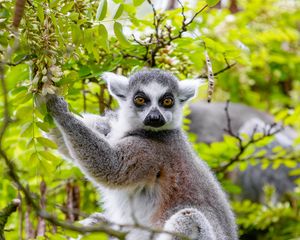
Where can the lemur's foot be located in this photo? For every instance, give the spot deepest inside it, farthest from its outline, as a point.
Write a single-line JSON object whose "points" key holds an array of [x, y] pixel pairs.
{"points": [[56, 105]]}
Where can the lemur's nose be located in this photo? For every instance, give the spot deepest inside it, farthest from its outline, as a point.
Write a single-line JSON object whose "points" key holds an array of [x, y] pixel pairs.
{"points": [[154, 119]]}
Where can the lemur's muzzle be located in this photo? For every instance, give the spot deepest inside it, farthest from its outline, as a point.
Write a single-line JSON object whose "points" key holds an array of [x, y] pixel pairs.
{"points": [[154, 119]]}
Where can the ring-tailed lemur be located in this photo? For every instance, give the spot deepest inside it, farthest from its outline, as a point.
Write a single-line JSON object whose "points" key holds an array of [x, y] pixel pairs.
{"points": [[141, 160]]}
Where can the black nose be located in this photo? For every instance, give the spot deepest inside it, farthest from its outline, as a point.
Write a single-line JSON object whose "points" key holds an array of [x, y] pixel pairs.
{"points": [[154, 119]]}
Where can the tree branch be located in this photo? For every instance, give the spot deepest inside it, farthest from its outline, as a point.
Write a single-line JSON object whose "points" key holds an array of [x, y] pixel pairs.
{"points": [[241, 144], [5, 213], [159, 40]]}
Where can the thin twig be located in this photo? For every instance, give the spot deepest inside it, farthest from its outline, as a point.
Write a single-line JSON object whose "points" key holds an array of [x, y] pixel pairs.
{"points": [[23, 59], [271, 131], [218, 72], [185, 23]]}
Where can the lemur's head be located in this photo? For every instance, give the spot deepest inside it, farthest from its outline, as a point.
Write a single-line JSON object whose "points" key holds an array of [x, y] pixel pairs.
{"points": [[151, 99]]}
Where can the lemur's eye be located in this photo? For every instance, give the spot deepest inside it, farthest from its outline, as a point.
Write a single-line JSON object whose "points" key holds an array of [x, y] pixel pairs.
{"points": [[168, 102], [139, 101]]}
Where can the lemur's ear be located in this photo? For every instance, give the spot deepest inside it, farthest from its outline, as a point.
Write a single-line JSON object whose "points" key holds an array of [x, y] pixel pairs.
{"points": [[117, 85], [188, 89]]}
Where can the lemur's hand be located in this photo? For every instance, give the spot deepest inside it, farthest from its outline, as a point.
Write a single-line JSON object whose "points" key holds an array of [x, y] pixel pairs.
{"points": [[56, 105]]}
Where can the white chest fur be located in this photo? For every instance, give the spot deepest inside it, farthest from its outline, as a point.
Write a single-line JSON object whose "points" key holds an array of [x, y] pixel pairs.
{"points": [[129, 206], [124, 206]]}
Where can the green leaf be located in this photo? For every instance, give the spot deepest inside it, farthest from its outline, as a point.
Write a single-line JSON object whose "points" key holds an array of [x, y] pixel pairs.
{"points": [[24, 99], [277, 149], [27, 129], [34, 157], [48, 156], [18, 90], [46, 142], [243, 166], [67, 7], [295, 172], [118, 30], [261, 153], [265, 164], [76, 34], [47, 164], [43, 126], [119, 11], [99, 236], [23, 112], [16, 74], [290, 163], [103, 37], [40, 13], [102, 10], [212, 3], [130, 9], [137, 2]]}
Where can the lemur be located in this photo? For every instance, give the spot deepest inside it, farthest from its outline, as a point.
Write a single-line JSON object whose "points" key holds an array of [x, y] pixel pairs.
{"points": [[142, 162]]}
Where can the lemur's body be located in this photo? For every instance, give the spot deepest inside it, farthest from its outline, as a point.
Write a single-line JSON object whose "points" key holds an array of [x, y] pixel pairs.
{"points": [[146, 174]]}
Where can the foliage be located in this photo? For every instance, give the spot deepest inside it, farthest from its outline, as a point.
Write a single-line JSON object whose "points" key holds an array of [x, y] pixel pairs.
{"points": [[66, 45]]}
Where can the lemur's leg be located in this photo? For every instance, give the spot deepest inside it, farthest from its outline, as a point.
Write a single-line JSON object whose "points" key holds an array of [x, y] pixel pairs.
{"points": [[189, 222]]}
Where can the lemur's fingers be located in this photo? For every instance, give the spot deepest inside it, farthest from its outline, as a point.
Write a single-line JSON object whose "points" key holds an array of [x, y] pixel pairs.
{"points": [[94, 219], [55, 104]]}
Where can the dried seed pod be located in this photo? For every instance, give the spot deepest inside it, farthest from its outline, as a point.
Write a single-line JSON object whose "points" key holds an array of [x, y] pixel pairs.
{"points": [[210, 76]]}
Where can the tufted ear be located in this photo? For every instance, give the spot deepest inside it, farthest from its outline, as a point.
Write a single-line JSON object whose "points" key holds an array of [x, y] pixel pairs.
{"points": [[117, 85], [188, 89]]}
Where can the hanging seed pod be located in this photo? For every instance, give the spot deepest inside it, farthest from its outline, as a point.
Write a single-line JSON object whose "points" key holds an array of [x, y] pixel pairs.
{"points": [[29, 230], [210, 76], [19, 10], [69, 202], [41, 226], [76, 201]]}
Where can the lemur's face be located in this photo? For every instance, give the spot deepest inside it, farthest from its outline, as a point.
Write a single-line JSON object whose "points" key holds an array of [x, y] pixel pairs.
{"points": [[151, 99], [155, 106]]}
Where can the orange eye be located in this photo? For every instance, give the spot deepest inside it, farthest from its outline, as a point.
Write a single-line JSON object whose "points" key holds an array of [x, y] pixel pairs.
{"points": [[139, 101], [168, 102]]}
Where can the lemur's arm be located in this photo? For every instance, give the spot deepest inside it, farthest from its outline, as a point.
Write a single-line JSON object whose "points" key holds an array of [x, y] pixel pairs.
{"points": [[95, 156], [95, 122]]}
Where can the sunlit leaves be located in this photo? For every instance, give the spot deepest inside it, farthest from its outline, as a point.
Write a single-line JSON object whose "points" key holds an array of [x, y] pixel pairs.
{"points": [[137, 2], [118, 30], [102, 10], [212, 3], [67, 7], [92, 236], [40, 12], [103, 37], [46, 142], [16, 74], [119, 11]]}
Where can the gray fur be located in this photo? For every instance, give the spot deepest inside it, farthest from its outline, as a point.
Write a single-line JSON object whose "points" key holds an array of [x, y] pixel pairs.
{"points": [[152, 174], [144, 77], [99, 124], [191, 222]]}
